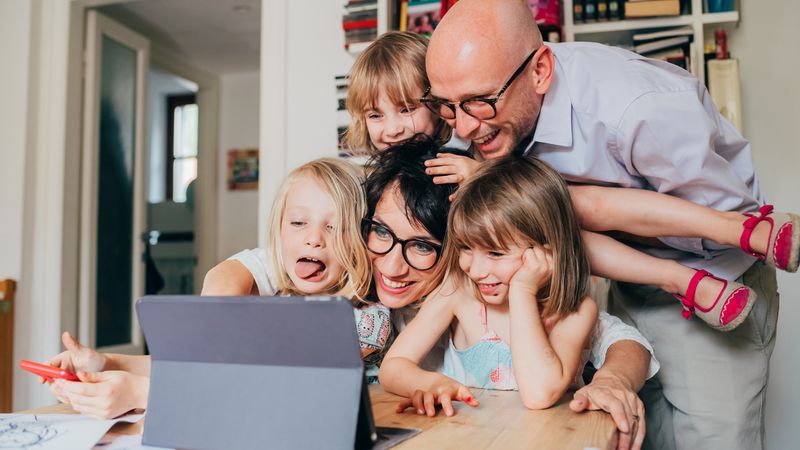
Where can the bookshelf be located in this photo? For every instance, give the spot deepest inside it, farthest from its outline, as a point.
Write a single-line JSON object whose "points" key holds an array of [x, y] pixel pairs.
{"points": [[609, 31], [384, 20]]}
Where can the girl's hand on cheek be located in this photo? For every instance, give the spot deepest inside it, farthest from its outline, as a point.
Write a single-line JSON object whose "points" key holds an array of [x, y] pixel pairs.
{"points": [[535, 271]]}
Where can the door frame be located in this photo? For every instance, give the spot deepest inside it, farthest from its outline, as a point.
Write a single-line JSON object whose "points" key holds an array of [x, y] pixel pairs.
{"points": [[205, 206], [98, 26]]}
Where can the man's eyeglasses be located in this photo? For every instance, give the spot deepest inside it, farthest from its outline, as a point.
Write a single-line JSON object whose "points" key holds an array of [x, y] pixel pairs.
{"points": [[482, 108], [418, 253]]}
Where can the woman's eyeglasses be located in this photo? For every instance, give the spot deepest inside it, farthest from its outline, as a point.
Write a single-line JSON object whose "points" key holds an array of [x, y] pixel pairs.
{"points": [[418, 253]]}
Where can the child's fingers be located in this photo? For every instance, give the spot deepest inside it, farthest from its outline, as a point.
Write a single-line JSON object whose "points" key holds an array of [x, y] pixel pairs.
{"points": [[79, 388], [416, 401], [465, 395], [403, 405], [447, 404], [70, 343], [430, 404], [448, 179], [444, 169]]}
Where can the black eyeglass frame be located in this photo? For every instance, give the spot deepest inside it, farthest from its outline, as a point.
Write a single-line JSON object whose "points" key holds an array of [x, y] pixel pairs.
{"points": [[435, 104], [366, 229]]}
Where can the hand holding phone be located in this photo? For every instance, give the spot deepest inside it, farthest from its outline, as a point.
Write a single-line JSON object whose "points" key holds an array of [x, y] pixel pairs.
{"points": [[48, 372]]}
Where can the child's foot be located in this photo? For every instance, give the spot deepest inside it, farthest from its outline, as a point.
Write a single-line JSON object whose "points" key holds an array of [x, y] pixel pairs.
{"points": [[773, 238], [723, 304]]}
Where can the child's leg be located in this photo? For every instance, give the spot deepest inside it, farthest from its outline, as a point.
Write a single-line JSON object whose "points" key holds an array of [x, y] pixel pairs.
{"points": [[612, 259], [650, 214]]}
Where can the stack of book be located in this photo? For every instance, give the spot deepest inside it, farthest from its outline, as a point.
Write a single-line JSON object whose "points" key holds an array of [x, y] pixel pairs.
{"points": [[672, 45], [360, 23], [596, 10], [651, 8]]}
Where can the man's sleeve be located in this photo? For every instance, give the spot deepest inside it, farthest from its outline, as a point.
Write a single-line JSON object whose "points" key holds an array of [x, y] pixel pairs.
{"points": [[681, 146], [610, 329]]}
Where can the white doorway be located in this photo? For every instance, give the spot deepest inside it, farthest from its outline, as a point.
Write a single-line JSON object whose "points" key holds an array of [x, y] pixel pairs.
{"points": [[111, 272]]}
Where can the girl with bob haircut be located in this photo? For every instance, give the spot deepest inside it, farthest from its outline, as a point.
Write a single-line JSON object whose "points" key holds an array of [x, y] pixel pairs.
{"points": [[514, 296]]}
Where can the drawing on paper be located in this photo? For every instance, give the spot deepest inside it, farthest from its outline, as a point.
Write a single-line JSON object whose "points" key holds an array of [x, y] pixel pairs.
{"points": [[24, 435]]}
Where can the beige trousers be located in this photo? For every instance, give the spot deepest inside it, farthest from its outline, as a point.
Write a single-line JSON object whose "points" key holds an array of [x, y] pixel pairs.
{"points": [[712, 386]]}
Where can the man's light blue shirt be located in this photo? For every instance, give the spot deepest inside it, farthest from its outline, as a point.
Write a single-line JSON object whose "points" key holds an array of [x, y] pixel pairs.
{"points": [[612, 117]]}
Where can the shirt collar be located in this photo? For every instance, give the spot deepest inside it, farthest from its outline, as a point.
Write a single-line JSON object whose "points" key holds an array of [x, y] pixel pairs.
{"points": [[554, 125]]}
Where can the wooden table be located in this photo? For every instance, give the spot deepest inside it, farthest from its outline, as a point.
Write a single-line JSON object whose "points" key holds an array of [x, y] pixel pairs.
{"points": [[500, 422]]}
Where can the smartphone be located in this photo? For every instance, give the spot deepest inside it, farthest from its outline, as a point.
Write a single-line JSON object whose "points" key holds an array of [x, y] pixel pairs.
{"points": [[46, 371]]}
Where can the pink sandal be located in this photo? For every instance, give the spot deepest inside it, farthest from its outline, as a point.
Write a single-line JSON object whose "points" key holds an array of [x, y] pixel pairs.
{"points": [[784, 238], [729, 310]]}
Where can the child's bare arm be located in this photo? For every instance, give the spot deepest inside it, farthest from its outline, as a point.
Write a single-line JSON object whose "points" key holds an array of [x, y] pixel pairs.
{"points": [[230, 277], [544, 363], [400, 372]]}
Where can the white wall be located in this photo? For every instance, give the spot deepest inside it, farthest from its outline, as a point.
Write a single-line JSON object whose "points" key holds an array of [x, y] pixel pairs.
{"points": [[302, 50], [15, 28], [238, 129], [766, 44]]}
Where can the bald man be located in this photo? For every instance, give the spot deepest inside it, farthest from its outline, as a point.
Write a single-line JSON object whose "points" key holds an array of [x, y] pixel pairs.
{"points": [[602, 115]]}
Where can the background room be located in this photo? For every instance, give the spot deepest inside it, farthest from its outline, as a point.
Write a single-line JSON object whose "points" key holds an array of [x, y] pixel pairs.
{"points": [[263, 74]]}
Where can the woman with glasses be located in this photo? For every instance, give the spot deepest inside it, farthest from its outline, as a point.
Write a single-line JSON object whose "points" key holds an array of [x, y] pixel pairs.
{"points": [[404, 230]]}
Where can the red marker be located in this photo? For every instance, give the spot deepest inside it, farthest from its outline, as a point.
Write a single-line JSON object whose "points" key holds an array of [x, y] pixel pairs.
{"points": [[46, 371]]}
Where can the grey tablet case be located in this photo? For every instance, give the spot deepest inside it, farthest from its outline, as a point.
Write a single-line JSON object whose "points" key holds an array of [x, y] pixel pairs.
{"points": [[251, 372]]}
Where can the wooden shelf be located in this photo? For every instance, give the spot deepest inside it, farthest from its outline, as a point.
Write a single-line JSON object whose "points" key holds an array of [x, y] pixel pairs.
{"points": [[655, 22], [631, 24]]}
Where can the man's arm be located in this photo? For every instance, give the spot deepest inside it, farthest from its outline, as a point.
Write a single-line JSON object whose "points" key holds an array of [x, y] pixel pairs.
{"points": [[613, 389]]}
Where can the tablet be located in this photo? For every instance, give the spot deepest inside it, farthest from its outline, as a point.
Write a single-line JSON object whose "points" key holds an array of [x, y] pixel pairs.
{"points": [[249, 372]]}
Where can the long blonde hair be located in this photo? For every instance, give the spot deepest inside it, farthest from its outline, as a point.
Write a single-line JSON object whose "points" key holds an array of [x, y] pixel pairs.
{"points": [[395, 65], [342, 181], [520, 200]]}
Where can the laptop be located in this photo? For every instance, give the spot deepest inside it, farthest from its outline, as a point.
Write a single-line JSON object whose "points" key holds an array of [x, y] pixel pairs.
{"points": [[257, 372]]}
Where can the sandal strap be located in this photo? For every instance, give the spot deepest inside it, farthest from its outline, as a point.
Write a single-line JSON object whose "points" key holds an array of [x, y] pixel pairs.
{"points": [[688, 300], [749, 225]]}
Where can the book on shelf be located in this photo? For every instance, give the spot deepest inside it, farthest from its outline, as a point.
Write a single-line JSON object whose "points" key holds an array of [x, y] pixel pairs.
{"points": [[360, 22], [661, 44], [423, 16], [602, 10], [725, 89], [578, 15], [590, 10], [652, 8], [615, 9], [545, 12], [682, 31]]}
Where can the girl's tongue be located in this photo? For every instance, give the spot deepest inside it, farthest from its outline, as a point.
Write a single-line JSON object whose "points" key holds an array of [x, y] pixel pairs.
{"points": [[308, 268]]}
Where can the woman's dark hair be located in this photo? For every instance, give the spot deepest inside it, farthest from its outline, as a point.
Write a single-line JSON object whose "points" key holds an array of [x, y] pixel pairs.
{"points": [[426, 203]]}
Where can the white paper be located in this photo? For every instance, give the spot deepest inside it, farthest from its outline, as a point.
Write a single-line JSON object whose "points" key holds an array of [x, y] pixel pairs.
{"points": [[54, 431], [126, 442]]}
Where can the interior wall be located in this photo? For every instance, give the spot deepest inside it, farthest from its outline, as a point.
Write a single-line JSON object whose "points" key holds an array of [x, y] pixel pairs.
{"points": [[298, 97], [238, 129], [15, 29], [766, 44]]}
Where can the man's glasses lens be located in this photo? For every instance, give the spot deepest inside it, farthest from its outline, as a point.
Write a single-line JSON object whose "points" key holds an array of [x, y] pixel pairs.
{"points": [[419, 254], [479, 109]]}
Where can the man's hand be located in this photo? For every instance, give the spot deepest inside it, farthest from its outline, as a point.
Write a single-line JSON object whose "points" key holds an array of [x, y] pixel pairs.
{"points": [[442, 393], [448, 168], [104, 394], [611, 394]]}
